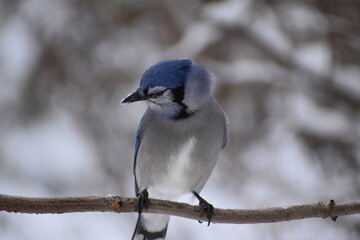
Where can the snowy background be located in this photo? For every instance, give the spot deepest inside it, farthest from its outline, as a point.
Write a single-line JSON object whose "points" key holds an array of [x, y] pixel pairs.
{"points": [[287, 73]]}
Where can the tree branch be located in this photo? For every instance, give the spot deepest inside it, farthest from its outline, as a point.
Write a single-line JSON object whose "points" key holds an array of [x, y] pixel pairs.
{"points": [[124, 204]]}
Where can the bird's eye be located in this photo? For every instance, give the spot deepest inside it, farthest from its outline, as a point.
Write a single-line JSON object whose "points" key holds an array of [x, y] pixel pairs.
{"points": [[156, 94]]}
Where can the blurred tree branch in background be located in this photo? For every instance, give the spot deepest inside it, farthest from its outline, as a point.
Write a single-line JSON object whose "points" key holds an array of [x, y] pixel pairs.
{"points": [[125, 205], [287, 74]]}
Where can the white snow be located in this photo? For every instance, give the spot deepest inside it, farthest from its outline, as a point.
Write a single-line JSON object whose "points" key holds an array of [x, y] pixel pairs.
{"points": [[18, 54], [196, 37], [348, 78], [315, 56], [228, 12], [304, 113], [48, 150]]}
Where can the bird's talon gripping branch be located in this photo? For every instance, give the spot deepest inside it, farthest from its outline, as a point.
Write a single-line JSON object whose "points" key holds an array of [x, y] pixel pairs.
{"points": [[143, 201], [205, 207]]}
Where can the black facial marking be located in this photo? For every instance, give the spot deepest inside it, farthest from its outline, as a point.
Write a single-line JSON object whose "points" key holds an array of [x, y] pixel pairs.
{"points": [[178, 95], [178, 98], [182, 115]]}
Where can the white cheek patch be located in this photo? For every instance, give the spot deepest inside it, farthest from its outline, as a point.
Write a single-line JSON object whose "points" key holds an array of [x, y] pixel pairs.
{"points": [[165, 99], [165, 105]]}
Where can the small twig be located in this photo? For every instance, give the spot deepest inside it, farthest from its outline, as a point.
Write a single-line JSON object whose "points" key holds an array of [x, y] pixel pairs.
{"points": [[124, 204]]}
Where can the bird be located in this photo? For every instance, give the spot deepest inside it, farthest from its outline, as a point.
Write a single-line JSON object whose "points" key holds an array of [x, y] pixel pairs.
{"points": [[178, 140]]}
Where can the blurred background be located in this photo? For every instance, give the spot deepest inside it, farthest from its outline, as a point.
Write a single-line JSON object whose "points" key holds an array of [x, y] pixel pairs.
{"points": [[287, 73]]}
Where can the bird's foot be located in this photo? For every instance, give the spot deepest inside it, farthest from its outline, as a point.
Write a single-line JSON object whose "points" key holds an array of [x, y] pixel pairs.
{"points": [[143, 201], [205, 207]]}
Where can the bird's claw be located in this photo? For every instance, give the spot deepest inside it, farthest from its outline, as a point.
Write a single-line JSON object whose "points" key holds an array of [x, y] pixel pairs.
{"points": [[205, 208], [143, 201]]}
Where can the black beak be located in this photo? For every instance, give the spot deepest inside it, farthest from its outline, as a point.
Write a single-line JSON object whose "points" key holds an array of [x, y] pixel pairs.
{"points": [[138, 95]]}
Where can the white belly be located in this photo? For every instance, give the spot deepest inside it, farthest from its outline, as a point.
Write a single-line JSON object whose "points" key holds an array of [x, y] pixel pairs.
{"points": [[177, 181]]}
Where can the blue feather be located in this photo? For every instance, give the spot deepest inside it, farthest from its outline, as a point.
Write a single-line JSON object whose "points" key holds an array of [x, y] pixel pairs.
{"points": [[137, 146], [226, 137], [169, 73]]}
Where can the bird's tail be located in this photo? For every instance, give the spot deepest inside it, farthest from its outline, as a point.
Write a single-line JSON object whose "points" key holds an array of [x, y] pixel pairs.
{"points": [[151, 226]]}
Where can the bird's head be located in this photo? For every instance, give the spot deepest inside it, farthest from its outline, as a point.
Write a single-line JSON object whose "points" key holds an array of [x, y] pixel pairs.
{"points": [[175, 89]]}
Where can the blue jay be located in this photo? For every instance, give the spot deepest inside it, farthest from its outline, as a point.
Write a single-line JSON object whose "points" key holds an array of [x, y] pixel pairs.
{"points": [[178, 140]]}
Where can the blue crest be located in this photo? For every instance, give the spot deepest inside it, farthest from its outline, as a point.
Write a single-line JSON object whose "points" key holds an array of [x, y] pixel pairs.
{"points": [[169, 73]]}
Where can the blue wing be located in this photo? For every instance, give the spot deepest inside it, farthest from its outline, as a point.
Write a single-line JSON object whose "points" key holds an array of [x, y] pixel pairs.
{"points": [[137, 146]]}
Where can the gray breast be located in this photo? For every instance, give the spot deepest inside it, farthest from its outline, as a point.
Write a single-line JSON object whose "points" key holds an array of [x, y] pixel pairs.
{"points": [[181, 153]]}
